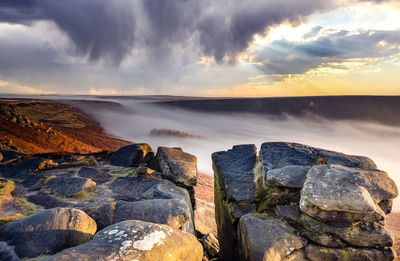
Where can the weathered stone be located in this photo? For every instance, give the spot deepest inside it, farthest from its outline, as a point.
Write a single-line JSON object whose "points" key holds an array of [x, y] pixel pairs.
{"points": [[7, 252], [210, 244], [178, 166], [337, 158], [317, 253], [322, 239], [71, 186], [135, 240], [287, 212], [281, 154], [104, 215], [171, 212], [138, 188], [341, 217], [234, 171], [204, 218], [337, 188], [131, 155], [267, 239], [361, 234], [94, 174], [47, 201], [292, 176], [48, 231]]}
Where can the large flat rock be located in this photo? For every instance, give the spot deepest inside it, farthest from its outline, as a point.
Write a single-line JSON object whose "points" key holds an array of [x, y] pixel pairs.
{"points": [[281, 154], [135, 240], [70, 186], [138, 188], [172, 212], [48, 231]]}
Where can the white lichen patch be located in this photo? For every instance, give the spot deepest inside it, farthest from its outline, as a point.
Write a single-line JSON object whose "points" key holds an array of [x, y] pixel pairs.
{"points": [[150, 240], [125, 245], [112, 232], [120, 233]]}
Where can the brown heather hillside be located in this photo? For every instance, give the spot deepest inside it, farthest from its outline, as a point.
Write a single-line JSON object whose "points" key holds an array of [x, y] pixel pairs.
{"points": [[36, 126]]}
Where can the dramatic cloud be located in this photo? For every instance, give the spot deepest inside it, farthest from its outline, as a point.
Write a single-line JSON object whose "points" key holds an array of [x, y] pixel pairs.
{"points": [[159, 45], [285, 57], [97, 28], [102, 28]]}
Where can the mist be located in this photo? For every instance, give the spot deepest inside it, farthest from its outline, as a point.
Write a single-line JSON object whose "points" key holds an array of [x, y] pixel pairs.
{"points": [[222, 131]]}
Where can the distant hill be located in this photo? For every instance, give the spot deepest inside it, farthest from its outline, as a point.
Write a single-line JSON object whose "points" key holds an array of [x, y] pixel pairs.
{"points": [[382, 109], [40, 126]]}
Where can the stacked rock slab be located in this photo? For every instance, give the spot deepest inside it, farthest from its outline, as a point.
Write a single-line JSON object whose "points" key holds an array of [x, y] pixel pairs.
{"points": [[179, 167], [296, 202]]}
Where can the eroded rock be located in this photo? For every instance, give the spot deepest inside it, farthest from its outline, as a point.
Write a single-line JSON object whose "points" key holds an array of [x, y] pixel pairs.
{"points": [[71, 186], [135, 240], [177, 166], [171, 212], [131, 155], [338, 188], [267, 239], [48, 231], [292, 176]]}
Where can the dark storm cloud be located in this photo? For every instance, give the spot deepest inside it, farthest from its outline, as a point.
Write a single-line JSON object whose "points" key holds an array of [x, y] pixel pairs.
{"points": [[285, 57], [108, 29], [228, 35], [98, 28]]}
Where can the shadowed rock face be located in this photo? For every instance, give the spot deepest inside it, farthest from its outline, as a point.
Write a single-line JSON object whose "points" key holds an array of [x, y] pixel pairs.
{"points": [[309, 204], [135, 240], [48, 231]]}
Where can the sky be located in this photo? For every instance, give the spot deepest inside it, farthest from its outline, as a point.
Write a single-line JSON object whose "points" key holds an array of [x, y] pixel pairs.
{"points": [[228, 48]]}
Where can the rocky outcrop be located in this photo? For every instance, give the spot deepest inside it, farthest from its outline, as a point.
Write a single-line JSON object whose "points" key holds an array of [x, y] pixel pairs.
{"points": [[104, 194], [296, 202], [135, 240], [48, 231]]}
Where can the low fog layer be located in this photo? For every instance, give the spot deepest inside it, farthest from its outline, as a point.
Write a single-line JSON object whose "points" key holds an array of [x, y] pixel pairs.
{"points": [[222, 131]]}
